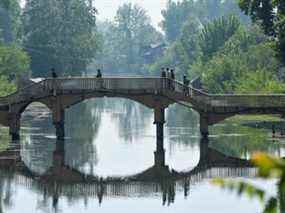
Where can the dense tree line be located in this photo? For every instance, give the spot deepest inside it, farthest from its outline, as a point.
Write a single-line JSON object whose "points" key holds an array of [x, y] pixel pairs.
{"points": [[222, 41], [45, 34], [230, 51]]}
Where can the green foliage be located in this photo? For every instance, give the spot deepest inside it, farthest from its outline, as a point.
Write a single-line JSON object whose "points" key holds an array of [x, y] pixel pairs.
{"points": [[251, 191], [125, 40], [6, 87], [10, 21], [270, 13], [259, 82], [245, 142], [268, 167], [60, 34], [204, 11], [197, 44], [230, 57], [13, 62], [174, 17], [215, 34], [245, 63]]}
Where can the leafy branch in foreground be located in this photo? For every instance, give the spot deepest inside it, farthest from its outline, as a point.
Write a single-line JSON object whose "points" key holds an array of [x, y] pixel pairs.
{"points": [[268, 167]]}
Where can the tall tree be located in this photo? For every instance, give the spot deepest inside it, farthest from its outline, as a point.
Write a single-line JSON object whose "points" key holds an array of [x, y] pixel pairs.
{"points": [[179, 12], [174, 16], [60, 34], [10, 16], [271, 13], [126, 39], [215, 34]]}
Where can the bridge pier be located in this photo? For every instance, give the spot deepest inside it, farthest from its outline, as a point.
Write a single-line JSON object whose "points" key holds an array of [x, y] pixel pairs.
{"points": [[159, 120], [204, 150], [204, 126], [14, 126], [58, 121], [59, 154]]}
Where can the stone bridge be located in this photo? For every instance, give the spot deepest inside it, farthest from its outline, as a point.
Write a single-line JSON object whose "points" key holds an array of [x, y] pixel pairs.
{"points": [[154, 92]]}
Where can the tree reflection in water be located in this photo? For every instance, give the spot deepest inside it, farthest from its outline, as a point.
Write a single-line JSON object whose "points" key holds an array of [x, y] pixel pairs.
{"points": [[65, 169], [62, 180]]}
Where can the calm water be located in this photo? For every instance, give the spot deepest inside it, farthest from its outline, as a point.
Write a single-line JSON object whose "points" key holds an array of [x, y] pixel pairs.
{"points": [[106, 163]]}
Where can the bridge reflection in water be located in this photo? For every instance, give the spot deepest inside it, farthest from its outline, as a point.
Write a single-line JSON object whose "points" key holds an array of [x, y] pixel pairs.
{"points": [[61, 180]]}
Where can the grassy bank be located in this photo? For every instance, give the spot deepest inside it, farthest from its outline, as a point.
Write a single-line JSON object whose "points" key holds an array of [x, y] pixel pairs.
{"points": [[255, 118]]}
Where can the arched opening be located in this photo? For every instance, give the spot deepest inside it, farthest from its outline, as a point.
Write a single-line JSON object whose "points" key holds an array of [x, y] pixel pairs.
{"points": [[36, 117], [37, 137], [113, 131]]}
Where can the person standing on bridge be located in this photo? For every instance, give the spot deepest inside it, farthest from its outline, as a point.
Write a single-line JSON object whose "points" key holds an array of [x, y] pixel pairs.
{"points": [[163, 76], [54, 84], [53, 73], [186, 83], [172, 76], [99, 74], [168, 76], [100, 80], [163, 73]]}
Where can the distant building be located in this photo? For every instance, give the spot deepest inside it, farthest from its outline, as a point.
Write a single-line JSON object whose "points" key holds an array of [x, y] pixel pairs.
{"points": [[152, 52]]}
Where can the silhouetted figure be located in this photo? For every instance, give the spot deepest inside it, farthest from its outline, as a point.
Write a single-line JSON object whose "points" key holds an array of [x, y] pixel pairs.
{"points": [[100, 192], [184, 79], [99, 74], [167, 73], [273, 131], [168, 76], [55, 199], [186, 188], [54, 85], [164, 80], [163, 73], [172, 75], [186, 83], [53, 73]]}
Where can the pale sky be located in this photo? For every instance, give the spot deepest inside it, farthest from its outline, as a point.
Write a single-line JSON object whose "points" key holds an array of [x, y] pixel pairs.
{"points": [[107, 8]]}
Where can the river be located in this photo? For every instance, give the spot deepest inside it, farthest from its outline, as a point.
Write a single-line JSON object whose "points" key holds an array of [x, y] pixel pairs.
{"points": [[106, 162]]}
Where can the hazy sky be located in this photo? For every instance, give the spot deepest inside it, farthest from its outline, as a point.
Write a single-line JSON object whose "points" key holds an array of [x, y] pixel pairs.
{"points": [[107, 8]]}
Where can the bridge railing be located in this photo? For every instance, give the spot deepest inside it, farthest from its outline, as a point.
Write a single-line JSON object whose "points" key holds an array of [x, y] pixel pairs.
{"points": [[196, 95], [258, 101], [22, 94], [105, 84], [126, 84], [144, 85]]}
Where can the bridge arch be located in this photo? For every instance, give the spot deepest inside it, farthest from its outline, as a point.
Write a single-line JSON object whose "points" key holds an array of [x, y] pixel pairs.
{"points": [[23, 108], [68, 100]]}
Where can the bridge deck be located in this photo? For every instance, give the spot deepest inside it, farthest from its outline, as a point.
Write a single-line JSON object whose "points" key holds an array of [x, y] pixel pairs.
{"points": [[174, 90]]}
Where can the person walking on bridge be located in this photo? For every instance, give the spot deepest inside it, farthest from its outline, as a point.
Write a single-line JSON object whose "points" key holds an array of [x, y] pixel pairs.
{"points": [[53, 73], [163, 76], [186, 83], [172, 77], [163, 73], [168, 76], [99, 74], [54, 83], [100, 80]]}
